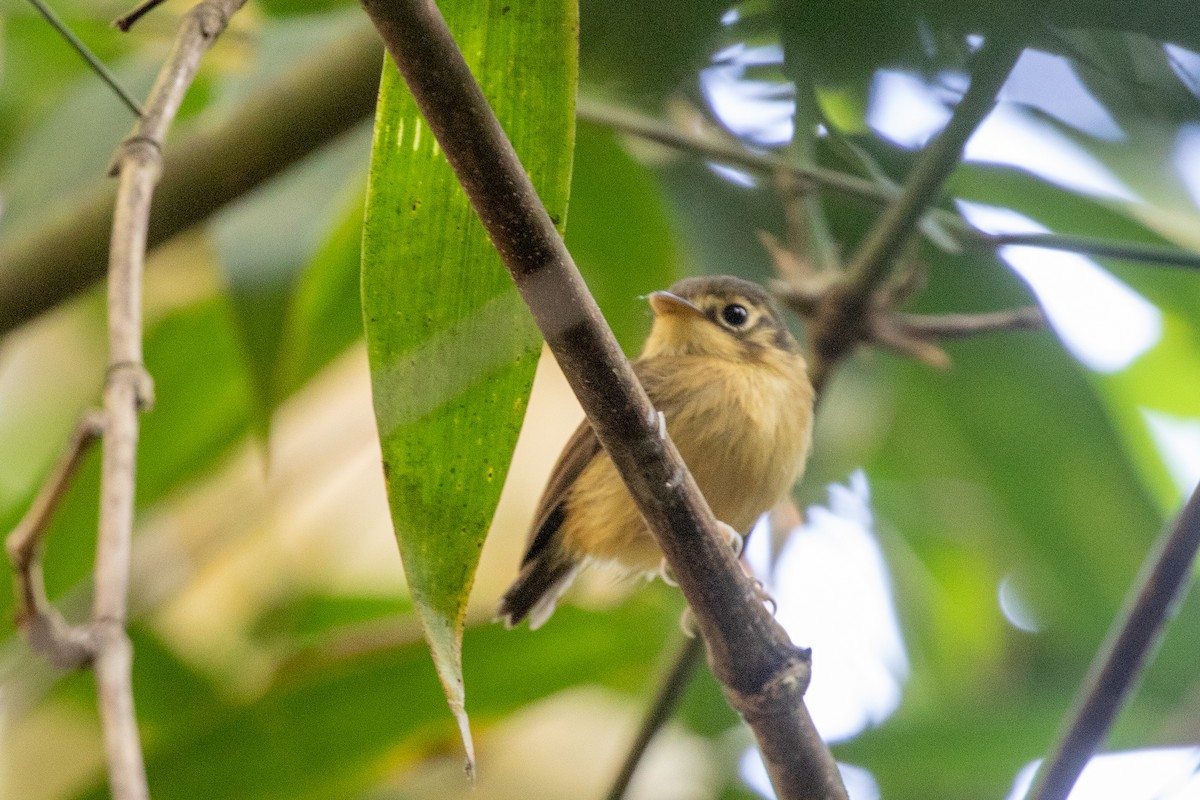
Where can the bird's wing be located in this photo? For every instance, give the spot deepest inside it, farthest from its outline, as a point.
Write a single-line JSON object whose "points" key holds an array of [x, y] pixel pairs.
{"points": [[579, 451], [581, 448]]}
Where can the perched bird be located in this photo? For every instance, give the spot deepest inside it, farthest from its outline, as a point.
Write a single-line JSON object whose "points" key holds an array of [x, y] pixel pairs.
{"points": [[724, 370]]}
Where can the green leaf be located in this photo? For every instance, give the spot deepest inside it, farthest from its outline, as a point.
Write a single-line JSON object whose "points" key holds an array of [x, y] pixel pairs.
{"points": [[1156, 381], [451, 346], [266, 240]]}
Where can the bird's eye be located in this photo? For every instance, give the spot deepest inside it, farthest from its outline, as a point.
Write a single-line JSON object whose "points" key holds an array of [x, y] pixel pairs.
{"points": [[734, 314]]}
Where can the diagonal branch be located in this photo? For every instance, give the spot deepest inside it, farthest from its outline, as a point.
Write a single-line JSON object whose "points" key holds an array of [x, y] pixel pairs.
{"points": [[844, 316], [666, 700], [127, 20], [1135, 634], [65, 646], [763, 673], [938, 159]]}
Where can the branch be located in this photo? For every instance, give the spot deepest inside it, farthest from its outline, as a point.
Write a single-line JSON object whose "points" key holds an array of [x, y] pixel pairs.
{"points": [[844, 313], [127, 391], [57, 257], [916, 335], [763, 673], [670, 692], [1155, 594], [708, 145], [938, 159], [1127, 251], [65, 646], [126, 20]]}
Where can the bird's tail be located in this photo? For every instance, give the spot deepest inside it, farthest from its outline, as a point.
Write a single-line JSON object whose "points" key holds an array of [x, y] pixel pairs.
{"points": [[535, 592]]}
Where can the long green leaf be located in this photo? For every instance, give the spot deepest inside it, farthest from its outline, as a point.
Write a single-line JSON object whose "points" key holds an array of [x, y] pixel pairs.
{"points": [[451, 347]]}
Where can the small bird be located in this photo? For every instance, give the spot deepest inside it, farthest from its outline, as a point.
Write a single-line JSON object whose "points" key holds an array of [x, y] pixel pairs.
{"points": [[722, 367]]}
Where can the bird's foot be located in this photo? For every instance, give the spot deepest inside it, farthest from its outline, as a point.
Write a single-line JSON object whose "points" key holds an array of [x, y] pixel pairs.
{"points": [[736, 540], [760, 592], [687, 622], [664, 572]]}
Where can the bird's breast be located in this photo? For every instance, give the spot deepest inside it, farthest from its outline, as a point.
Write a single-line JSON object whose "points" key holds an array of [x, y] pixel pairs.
{"points": [[743, 429]]}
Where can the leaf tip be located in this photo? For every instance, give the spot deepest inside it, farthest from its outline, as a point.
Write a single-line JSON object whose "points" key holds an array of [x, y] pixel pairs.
{"points": [[464, 731]]}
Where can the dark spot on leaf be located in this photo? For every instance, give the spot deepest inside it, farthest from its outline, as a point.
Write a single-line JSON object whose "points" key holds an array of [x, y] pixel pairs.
{"points": [[505, 10], [554, 218]]}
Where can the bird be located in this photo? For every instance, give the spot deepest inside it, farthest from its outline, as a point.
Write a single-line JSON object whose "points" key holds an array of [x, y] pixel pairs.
{"points": [[732, 383]]}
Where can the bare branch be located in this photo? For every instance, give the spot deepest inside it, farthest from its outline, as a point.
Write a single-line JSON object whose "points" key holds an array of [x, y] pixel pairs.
{"points": [[126, 20], [843, 318], [127, 391], [64, 645], [944, 327], [884, 333], [1157, 591], [1126, 251], [715, 147], [764, 674]]}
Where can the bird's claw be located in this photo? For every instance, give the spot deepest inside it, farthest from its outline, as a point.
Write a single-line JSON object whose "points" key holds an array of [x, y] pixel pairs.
{"points": [[664, 572], [736, 540], [687, 622], [760, 592]]}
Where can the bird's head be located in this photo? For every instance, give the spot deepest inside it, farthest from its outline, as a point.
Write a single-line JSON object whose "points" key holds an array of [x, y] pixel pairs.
{"points": [[718, 316]]}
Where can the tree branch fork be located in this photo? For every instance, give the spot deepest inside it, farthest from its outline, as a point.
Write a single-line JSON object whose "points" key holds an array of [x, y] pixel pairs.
{"points": [[102, 643]]}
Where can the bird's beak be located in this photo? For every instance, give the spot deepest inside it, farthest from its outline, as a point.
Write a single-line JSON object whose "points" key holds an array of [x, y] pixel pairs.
{"points": [[665, 303]]}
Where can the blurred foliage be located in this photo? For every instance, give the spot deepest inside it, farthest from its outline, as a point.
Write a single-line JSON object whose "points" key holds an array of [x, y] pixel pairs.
{"points": [[1018, 463]]}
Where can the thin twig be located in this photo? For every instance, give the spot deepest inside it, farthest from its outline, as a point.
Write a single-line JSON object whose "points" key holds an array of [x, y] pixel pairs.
{"points": [[1135, 634], [318, 99], [666, 699], [87, 55], [763, 673], [128, 390], [726, 151], [714, 147], [126, 20], [945, 327], [1126, 251], [65, 646]]}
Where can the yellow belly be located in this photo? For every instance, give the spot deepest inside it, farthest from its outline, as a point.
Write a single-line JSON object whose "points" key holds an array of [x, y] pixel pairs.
{"points": [[744, 433]]}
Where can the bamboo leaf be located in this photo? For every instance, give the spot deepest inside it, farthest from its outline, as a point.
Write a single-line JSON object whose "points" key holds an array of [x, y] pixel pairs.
{"points": [[451, 346]]}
